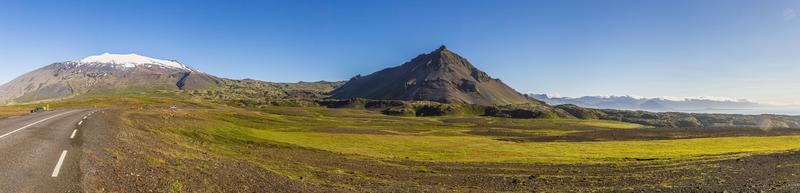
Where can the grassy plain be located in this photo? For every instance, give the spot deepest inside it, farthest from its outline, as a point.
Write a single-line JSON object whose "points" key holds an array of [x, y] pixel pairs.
{"points": [[435, 139], [345, 147]]}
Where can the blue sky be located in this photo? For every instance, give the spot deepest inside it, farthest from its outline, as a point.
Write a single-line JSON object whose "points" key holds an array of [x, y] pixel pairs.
{"points": [[727, 48]]}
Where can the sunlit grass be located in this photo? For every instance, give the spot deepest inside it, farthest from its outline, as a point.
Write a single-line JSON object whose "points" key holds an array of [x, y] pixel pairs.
{"points": [[439, 139], [14, 110], [483, 149], [457, 146]]}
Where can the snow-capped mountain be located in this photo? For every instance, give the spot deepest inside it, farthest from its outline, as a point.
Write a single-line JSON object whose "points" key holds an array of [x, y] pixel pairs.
{"points": [[105, 73], [130, 61]]}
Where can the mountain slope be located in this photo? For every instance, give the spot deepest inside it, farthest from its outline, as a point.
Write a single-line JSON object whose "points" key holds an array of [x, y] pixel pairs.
{"points": [[441, 76], [106, 73]]}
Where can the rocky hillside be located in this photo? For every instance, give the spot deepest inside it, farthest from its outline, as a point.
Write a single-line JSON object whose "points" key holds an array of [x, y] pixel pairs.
{"points": [[256, 93], [440, 76], [103, 74]]}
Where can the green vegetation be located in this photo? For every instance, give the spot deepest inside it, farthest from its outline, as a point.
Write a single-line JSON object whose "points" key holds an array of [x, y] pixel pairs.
{"points": [[430, 140], [15, 110], [259, 94], [446, 138], [176, 187], [318, 145], [482, 149], [687, 120]]}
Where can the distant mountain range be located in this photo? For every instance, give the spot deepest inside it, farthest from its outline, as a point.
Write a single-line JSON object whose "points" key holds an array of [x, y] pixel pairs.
{"points": [[440, 76], [670, 104]]}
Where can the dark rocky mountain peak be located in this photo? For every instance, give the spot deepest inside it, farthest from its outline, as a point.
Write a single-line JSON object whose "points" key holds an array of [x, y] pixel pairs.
{"points": [[440, 75]]}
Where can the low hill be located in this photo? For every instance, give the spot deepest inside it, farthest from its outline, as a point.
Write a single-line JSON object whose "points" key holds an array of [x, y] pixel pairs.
{"points": [[256, 93], [685, 120]]}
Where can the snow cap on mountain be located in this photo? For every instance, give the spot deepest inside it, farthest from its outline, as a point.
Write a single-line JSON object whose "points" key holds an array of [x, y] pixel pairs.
{"points": [[130, 61]]}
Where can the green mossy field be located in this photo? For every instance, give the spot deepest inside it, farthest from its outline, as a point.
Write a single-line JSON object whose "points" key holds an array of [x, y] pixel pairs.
{"points": [[320, 147], [364, 133]]}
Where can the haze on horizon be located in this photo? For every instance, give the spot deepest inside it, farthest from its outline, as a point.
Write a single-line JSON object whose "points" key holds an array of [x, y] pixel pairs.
{"points": [[736, 49]]}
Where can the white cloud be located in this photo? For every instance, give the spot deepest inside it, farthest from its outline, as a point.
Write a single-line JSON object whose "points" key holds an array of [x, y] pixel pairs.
{"points": [[789, 14]]}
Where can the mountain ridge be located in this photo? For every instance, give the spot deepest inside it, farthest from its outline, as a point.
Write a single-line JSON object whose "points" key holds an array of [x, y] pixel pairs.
{"points": [[658, 104], [440, 76]]}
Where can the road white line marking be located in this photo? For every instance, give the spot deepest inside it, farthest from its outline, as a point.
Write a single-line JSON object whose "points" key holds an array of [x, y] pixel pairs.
{"points": [[60, 162], [80, 122], [34, 123], [73, 134]]}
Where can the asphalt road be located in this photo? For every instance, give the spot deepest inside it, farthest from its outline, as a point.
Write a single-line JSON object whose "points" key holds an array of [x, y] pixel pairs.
{"points": [[40, 153]]}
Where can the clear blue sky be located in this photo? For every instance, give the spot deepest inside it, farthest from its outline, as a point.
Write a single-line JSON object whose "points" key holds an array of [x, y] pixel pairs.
{"points": [[729, 48]]}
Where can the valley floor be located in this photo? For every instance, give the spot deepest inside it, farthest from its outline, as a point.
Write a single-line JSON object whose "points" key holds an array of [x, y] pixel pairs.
{"points": [[142, 145]]}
